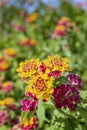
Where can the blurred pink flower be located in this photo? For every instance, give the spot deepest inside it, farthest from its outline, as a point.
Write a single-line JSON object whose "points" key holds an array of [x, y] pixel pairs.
{"points": [[3, 117]]}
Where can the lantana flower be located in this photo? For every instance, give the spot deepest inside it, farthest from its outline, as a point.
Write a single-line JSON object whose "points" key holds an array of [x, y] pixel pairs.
{"points": [[29, 103], [10, 52], [31, 18], [67, 95], [7, 101], [42, 74], [7, 86], [28, 42], [4, 116], [62, 27], [4, 64]]}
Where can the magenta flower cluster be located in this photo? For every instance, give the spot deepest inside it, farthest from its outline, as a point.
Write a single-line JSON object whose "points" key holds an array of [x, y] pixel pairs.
{"points": [[29, 103], [75, 81], [67, 95], [3, 117]]}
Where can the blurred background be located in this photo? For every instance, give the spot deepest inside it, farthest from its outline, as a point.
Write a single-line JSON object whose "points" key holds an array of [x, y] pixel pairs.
{"points": [[36, 29]]}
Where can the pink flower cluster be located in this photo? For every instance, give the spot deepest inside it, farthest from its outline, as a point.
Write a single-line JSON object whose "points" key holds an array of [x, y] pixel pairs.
{"points": [[3, 117], [62, 27], [7, 87], [19, 28], [67, 95], [75, 81], [30, 103]]}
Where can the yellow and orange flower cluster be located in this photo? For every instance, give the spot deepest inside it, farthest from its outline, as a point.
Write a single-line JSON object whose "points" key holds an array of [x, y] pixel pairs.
{"points": [[30, 123], [4, 64], [31, 18], [28, 42], [63, 24], [7, 101], [41, 74], [10, 52]]}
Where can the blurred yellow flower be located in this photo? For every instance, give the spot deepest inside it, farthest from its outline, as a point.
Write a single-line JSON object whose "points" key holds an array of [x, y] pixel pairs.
{"points": [[4, 64], [32, 18], [10, 52], [7, 101]]}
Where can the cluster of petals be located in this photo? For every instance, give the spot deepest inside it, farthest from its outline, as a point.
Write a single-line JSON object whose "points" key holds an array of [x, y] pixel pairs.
{"points": [[28, 68], [6, 86], [75, 81], [3, 117], [29, 103], [10, 52], [7, 101], [4, 64], [67, 95], [31, 18], [27, 125], [63, 24], [31, 124], [28, 42], [42, 74]]}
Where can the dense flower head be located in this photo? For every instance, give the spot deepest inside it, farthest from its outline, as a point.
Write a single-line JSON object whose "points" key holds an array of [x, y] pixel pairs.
{"points": [[62, 26], [3, 117], [27, 125], [7, 86], [66, 96], [28, 42], [28, 68], [4, 64], [41, 86], [57, 63], [67, 22], [75, 80], [10, 52], [31, 18], [7, 101], [41, 74], [60, 30], [31, 124], [29, 103]]}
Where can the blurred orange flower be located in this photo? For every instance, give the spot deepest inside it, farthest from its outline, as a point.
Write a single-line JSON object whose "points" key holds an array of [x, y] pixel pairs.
{"points": [[28, 42], [10, 52], [31, 18], [4, 64]]}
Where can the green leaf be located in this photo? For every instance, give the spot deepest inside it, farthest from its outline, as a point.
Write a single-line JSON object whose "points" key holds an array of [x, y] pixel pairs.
{"points": [[83, 112], [53, 127], [41, 113], [70, 124], [3, 128], [61, 80], [23, 115]]}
